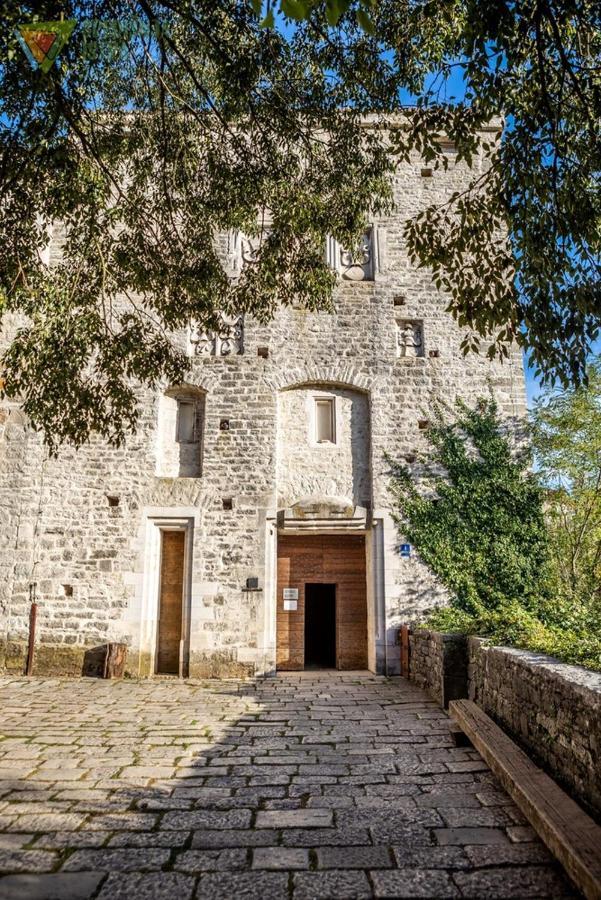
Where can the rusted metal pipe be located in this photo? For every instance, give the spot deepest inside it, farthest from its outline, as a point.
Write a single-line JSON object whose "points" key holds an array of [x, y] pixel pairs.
{"points": [[33, 614], [405, 650]]}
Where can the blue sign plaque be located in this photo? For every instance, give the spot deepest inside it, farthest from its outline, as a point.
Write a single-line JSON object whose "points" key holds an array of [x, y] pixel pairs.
{"points": [[405, 550]]}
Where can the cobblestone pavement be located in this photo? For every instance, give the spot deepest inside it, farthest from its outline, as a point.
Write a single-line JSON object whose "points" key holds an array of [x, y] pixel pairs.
{"points": [[341, 786]]}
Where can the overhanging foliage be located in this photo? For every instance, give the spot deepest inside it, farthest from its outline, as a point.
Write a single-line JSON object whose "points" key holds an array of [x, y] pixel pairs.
{"points": [[170, 121]]}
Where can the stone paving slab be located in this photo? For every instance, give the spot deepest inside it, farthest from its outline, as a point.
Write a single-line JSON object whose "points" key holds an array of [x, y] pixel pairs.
{"points": [[301, 787]]}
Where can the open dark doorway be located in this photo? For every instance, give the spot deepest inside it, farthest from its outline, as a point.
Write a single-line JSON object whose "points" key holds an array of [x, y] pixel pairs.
{"points": [[320, 626]]}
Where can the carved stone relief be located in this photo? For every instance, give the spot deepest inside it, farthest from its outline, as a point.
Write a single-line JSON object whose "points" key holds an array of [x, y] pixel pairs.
{"points": [[354, 266], [243, 250], [360, 265], [249, 250], [226, 340], [410, 338]]}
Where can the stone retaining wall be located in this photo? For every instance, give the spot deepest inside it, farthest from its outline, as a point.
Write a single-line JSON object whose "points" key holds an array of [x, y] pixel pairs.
{"points": [[552, 709], [425, 666], [438, 664]]}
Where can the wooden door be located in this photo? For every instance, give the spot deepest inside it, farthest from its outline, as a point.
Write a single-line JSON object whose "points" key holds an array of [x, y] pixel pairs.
{"points": [[170, 604], [337, 560]]}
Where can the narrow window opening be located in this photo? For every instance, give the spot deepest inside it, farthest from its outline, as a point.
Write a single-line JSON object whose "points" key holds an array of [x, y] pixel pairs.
{"points": [[325, 432], [186, 422], [180, 431]]}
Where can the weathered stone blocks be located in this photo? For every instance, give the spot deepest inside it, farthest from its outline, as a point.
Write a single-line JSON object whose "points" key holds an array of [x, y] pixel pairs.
{"points": [[550, 708], [553, 709], [439, 664], [58, 526]]}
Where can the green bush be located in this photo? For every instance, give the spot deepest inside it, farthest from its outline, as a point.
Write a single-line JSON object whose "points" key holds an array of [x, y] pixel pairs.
{"points": [[475, 515]]}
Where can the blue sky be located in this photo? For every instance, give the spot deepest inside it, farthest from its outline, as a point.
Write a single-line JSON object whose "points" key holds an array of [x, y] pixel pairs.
{"points": [[533, 386]]}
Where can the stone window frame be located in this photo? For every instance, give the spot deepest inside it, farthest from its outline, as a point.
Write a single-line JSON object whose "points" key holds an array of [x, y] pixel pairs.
{"points": [[314, 398], [196, 396]]}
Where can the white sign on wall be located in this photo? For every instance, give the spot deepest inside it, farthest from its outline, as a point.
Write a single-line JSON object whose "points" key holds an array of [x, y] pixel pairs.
{"points": [[290, 605], [290, 593]]}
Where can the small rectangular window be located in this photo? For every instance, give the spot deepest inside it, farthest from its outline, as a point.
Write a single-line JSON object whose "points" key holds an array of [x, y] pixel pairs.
{"points": [[325, 431], [186, 422]]}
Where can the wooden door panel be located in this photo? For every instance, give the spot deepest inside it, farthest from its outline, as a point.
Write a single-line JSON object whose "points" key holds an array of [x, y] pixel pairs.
{"points": [[170, 606], [338, 559]]}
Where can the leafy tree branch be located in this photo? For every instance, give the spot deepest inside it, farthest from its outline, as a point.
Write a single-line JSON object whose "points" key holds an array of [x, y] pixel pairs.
{"points": [[169, 122]]}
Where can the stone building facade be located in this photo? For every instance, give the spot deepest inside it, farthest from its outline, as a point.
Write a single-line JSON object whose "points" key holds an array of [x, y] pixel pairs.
{"points": [[246, 526]]}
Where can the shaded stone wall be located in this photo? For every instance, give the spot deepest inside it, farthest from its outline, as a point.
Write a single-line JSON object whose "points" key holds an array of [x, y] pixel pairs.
{"points": [[438, 664]]}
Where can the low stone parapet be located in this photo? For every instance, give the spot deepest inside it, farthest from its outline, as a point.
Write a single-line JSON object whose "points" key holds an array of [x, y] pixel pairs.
{"points": [[552, 709]]}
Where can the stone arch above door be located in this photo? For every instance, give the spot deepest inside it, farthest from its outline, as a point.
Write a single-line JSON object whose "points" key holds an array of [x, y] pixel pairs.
{"points": [[337, 375]]}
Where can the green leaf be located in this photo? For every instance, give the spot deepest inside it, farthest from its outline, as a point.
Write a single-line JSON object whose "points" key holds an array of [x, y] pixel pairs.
{"points": [[268, 21], [335, 9], [366, 22], [295, 9]]}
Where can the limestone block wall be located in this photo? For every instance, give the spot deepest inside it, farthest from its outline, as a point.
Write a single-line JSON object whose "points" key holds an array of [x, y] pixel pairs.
{"points": [[78, 526], [426, 662], [307, 468], [438, 664], [551, 708], [63, 530]]}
